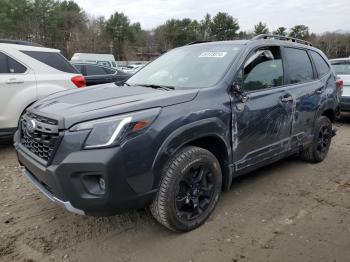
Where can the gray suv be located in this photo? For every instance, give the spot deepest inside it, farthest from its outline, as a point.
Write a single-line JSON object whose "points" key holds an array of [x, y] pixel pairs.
{"points": [[181, 129]]}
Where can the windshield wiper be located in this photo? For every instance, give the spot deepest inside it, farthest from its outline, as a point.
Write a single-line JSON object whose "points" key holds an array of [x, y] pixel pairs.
{"points": [[168, 88]]}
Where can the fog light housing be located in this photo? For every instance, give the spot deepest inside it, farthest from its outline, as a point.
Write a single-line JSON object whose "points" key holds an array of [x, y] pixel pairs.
{"points": [[102, 184], [94, 184]]}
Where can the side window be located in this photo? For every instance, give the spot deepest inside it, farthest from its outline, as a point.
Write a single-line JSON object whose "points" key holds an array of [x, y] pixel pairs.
{"points": [[3, 64], [109, 71], [263, 69], [79, 67], [299, 66], [15, 67], [104, 63], [94, 70], [10, 66], [321, 65], [53, 59]]}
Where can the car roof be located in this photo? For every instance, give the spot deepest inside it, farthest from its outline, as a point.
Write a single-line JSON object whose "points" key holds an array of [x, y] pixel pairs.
{"points": [[28, 48], [257, 42], [91, 63], [346, 59]]}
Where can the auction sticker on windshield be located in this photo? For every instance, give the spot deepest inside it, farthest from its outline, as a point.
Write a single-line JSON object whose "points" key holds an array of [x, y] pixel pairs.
{"points": [[213, 54]]}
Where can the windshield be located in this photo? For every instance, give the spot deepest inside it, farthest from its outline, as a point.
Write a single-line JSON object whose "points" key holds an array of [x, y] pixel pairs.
{"points": [[341, 68], [197, 66]]}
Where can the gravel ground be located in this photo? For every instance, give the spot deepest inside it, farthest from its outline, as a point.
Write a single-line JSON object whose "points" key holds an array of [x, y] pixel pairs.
{"points": [[289, 211]]}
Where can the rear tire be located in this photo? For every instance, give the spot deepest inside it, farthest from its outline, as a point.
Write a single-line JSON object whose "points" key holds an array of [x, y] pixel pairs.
{"points": [[321, 142], [189, 189]]}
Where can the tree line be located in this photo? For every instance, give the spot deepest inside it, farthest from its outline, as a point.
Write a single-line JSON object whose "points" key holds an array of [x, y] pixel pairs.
{"points": [[66, 26]]}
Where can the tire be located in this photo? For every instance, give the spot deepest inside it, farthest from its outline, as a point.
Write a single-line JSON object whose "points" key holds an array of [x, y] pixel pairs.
{"points": [[189, 189], [321, 142]]}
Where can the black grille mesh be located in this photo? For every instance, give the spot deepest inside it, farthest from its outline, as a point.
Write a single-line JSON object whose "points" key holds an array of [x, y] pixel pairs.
{"points": [[38, 142]]}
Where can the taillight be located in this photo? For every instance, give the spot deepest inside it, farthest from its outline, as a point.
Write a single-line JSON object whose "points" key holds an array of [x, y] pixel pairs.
{"points": [[340, 84], [79, 81]]}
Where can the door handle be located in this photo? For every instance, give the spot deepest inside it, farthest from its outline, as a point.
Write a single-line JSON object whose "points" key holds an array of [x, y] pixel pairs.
{"points": [[13, 81], [287, 99], [320, 91]]}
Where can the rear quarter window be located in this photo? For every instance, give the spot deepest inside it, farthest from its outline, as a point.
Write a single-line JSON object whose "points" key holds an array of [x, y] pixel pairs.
{"points": [[55, 60], [320, 64]]}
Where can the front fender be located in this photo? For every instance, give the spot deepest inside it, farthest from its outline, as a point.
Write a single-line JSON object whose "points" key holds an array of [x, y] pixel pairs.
{"points": [[184, 135]]}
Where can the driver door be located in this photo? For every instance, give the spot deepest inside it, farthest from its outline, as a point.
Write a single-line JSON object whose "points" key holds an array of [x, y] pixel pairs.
{"points": [[262, 114]]}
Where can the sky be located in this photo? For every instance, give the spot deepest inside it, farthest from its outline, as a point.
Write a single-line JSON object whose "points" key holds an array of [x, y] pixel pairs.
{"points": [[319, 15]]}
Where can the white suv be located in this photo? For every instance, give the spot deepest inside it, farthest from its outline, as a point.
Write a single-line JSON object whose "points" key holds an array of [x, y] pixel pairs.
{"points": [[341, 66], [29, 72]]}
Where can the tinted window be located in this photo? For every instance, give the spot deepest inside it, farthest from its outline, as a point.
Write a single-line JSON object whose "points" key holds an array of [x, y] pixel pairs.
{"points": [[92, 70], [15, 67], [263, 70], [9, 65], [321, 65], [55, 60], [3, 64], [109, 71], [341, 67], [104, 63], [299, 66], [79, 67]]}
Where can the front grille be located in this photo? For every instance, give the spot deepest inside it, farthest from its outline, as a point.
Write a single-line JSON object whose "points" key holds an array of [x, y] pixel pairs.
{"points": [[40, 140], [42, 119]]}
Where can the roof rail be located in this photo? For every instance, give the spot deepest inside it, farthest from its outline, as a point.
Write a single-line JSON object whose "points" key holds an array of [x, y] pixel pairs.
{"points": [[18, 42], [199, 42], [283, 38]]}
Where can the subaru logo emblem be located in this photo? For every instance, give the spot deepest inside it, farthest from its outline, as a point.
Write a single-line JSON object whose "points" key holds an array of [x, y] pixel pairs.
{"points": [[30, 126]]}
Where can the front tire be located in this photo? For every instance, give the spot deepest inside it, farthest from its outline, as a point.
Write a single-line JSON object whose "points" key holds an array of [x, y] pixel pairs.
{"points": [[321, 142], [189, 189]]}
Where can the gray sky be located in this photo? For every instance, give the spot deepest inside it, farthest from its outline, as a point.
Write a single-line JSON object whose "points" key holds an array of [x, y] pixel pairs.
{"points": [[319, 15]]}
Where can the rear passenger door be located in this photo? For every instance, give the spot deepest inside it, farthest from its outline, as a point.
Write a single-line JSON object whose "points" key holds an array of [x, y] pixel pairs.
{"points": [[306, 91]]}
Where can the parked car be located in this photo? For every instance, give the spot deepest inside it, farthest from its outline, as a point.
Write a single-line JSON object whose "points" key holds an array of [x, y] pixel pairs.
{"points": [[178, 132], [107, 60], [29, 72], [132, 69], [96, 74], [341, 67]]}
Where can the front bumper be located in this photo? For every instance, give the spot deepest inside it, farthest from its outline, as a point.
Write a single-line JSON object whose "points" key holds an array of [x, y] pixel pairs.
{"points": [[70, 178], [345, 103], [65, 204]]}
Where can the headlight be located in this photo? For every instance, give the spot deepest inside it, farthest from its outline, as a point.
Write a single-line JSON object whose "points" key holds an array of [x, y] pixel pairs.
{"points": [[110, 131]]}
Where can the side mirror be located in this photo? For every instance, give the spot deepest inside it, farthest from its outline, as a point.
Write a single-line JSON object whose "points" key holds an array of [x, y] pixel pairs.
{"points": [[238, 91], [237, 88]]}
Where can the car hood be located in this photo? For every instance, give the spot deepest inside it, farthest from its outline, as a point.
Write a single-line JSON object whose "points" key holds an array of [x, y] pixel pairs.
{"points": [[73, 106]]}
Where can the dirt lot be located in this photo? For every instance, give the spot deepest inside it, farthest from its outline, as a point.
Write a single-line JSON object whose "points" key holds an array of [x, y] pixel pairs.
{"points": [[290, 211]]}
